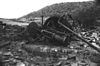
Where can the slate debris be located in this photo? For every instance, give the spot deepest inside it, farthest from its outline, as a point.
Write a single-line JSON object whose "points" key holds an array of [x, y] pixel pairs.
{"points": [[15, 50]]}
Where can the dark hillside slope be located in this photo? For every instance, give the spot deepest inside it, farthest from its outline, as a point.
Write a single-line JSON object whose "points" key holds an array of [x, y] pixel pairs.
{"points": [[60, 8], [85, 12]]}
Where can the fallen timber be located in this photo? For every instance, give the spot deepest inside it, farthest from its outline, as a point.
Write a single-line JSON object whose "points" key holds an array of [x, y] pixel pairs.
{"points": [[91, 45]]}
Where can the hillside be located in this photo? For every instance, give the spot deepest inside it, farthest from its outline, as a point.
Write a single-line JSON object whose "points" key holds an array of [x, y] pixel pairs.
{"points": [[59, 8]]}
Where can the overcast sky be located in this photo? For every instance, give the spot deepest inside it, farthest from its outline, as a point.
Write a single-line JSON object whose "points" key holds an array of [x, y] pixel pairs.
{"points": [[18, 8]]}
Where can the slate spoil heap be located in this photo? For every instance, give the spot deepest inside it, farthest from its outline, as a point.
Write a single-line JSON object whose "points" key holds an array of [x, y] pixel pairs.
{"points": [[17, 51]]}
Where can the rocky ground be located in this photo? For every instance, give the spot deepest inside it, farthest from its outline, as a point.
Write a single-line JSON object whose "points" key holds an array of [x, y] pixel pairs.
{"points": [[16, 51]]}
